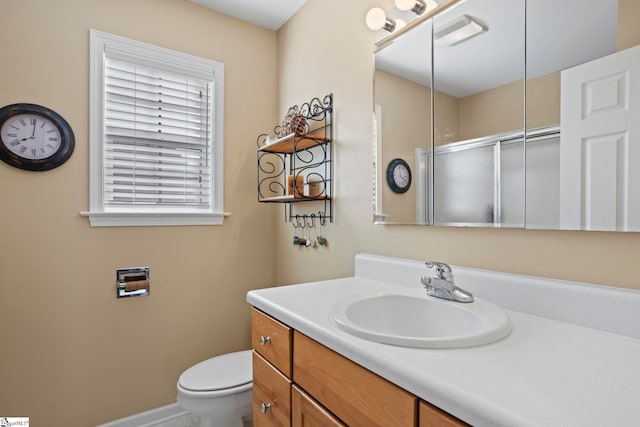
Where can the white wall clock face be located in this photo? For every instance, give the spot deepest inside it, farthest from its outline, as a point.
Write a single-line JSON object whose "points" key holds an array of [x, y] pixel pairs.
{"points": [[34, 137], [399, 176]]}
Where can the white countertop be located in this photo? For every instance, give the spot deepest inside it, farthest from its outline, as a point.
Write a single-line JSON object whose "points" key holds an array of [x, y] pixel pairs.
{"points": [[545, 373]]}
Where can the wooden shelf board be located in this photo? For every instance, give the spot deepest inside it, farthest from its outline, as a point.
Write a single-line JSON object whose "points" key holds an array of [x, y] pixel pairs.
{"points": [[286, 143], [291, 199]]}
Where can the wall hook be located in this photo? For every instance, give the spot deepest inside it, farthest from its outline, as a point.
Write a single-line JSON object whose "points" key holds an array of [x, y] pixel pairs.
{"points": [[323, 219]]}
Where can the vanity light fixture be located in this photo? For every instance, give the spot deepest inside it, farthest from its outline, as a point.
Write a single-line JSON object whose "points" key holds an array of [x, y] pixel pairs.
{"points": [[417, 6], [459, 30], [377, 20]]}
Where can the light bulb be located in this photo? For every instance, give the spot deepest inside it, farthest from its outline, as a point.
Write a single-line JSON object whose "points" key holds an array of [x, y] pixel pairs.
{"points": [[405, 4], [417, 6], [377, 19]]}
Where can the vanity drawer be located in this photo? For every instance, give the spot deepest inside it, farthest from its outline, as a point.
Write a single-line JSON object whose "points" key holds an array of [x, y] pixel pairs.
{"points": [[272, 340], [271, 395], [357, 396], [430, 416], [306, 412]]}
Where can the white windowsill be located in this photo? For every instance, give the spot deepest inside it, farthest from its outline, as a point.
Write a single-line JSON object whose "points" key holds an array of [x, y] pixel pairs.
{"points": [[138, 219]]}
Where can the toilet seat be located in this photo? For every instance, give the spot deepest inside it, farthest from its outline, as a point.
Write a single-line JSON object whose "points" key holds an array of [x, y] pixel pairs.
{"points": [[230, 372]]}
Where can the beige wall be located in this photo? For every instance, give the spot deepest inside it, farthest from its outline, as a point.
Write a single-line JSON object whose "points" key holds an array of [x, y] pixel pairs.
{"points": [[71, 354], [628, 18], [501, 110], [543, 101], [446, 118], [406, 124], [492, 111], [347, 69]]}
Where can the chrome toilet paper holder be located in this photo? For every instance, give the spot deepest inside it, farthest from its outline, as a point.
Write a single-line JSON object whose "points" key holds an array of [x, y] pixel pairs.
{"points": [[132, 282]]}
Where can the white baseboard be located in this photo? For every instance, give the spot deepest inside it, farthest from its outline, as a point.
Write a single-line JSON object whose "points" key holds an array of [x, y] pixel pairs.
{"points": [[150, 418]]}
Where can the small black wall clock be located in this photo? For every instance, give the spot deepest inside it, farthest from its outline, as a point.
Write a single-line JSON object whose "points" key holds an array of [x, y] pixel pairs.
{"points": [[398, 176], [34, 138]]}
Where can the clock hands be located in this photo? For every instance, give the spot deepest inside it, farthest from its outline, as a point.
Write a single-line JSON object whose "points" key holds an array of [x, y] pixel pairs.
{"points": [[33, 133]]}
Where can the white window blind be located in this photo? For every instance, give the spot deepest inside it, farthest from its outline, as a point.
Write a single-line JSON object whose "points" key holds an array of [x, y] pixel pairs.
{"points": [[156, 124], [158, 128]]}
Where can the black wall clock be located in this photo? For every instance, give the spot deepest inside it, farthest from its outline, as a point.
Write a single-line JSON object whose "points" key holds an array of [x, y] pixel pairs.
{"points": [[34, 137], [398, 176]]}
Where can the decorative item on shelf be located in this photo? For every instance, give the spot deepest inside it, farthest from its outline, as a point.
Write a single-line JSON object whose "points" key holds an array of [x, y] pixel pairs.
{"points": [[315, 187], [298, 191], [294, 122], [34, 137]]}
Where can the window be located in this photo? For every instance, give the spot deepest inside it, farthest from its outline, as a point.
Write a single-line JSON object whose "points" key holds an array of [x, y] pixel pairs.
{"points": [[156, 135]]}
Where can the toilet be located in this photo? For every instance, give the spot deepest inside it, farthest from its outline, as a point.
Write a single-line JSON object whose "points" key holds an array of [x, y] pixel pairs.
{"points": [[218, 390]]}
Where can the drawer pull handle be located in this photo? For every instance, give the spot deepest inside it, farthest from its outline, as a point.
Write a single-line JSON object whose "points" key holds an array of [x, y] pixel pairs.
{"points": [[264, 407], [265, 340]]}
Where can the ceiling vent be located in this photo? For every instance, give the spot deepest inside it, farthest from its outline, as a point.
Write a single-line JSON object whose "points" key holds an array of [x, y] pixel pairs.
{"points": [[459, 30]]}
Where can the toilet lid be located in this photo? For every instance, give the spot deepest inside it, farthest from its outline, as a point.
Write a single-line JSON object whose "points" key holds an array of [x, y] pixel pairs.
{"points": [[218, 373]]}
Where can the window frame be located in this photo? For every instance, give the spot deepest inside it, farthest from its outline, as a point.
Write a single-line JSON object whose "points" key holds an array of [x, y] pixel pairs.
{"points": [[103, 45]]}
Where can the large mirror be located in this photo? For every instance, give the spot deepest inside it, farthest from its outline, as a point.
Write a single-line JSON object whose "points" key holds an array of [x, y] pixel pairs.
{"points": [[471, 161]]}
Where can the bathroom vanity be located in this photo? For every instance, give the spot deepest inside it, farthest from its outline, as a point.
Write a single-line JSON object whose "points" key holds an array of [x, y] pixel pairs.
{"points": [[353, 393], [568, 360]]}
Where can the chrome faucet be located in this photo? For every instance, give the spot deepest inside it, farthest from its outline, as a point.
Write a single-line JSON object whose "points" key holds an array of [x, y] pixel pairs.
{"points": [[444, 286]]}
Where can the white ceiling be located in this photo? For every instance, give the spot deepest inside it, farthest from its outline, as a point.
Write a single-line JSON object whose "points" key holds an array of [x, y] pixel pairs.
{"points": [[560, 34], [270, 14]]}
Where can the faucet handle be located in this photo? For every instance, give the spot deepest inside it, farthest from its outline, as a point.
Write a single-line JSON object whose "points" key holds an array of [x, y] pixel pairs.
{"points": [[442, 270]]}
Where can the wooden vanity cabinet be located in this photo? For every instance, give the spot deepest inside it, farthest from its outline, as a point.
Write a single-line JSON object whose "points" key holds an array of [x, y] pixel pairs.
{"points": [[271, 395], [301, 383], [430, 416], [272, 344], [306, 412], [354, 394], [272, 340]]}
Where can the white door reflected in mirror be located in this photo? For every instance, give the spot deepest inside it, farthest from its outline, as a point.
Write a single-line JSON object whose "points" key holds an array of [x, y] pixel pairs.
{"points": [[599, 144]]}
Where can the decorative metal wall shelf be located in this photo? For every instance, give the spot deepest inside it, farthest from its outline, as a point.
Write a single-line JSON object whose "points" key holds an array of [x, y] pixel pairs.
{"points": [[297, 165]]}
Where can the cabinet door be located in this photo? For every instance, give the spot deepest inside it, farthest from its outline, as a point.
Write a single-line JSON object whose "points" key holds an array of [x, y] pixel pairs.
{"points": [[272, 340], [306, 412], [359, 397], [430, 416], [271, 395]]}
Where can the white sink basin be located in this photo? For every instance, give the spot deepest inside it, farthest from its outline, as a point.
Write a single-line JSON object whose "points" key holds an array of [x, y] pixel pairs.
{"points": [[418, 320]]}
